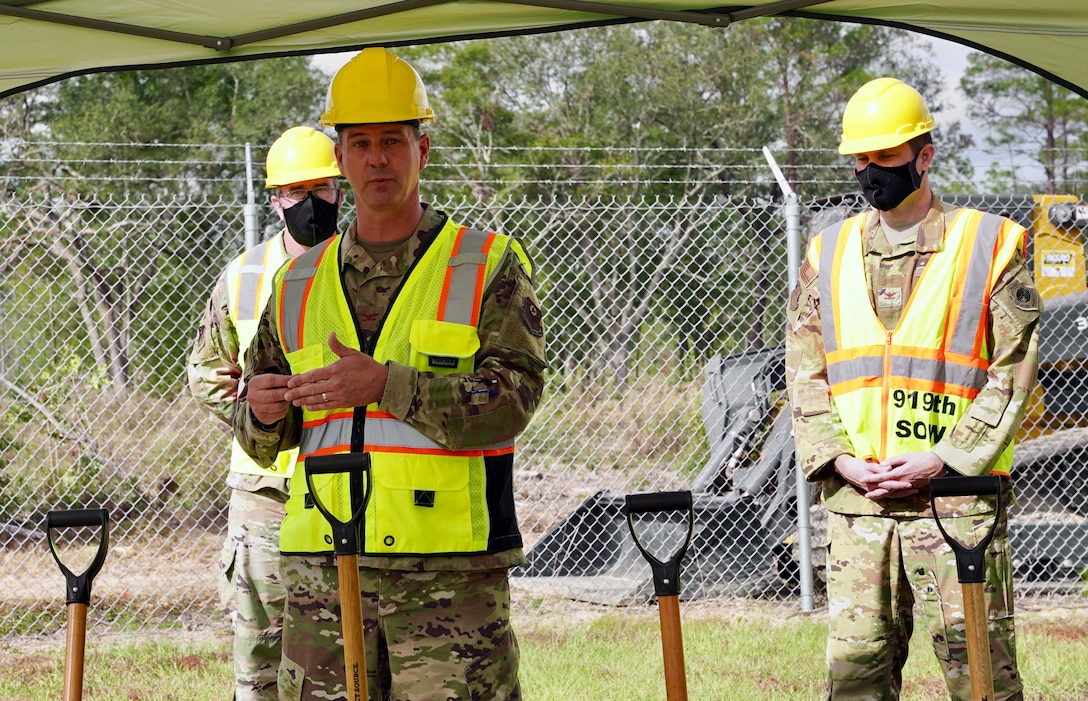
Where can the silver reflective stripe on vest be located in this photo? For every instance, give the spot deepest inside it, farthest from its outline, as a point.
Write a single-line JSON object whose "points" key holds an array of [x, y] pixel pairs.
{"points": [[249, 283], [976, 285], [917, 369], [391, 433], [944, 372], [333, 431], [846, 370], [829, 241], [962, 339], [465, 270]]}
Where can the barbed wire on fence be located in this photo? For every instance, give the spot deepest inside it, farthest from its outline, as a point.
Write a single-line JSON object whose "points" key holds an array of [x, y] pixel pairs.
{"points": [[504, 164]]}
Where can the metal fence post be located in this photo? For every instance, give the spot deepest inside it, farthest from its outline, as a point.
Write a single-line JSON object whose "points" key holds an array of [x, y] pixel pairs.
{"points": [[250, 208], [793, 263]]}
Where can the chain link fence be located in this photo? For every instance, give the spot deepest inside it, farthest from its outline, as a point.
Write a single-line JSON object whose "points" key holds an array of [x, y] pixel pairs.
{"points": [[665, 320]]}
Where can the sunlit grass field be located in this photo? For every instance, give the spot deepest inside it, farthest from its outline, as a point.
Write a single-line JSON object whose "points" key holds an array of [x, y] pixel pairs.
{"points": [[733, 653]]}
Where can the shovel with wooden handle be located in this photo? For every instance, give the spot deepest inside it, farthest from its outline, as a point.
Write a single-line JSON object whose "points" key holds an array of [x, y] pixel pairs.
{"points": [[666, 574], [78, 589], [345, 536], [971, 570]]}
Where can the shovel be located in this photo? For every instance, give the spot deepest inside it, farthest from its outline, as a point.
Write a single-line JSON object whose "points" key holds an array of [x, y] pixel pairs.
{"points": [[345, 536], [971, 570], [666, 576], [78, 589]]}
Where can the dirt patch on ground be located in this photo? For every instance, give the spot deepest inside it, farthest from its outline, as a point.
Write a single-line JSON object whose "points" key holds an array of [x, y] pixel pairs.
{"points": [[168, 578]]}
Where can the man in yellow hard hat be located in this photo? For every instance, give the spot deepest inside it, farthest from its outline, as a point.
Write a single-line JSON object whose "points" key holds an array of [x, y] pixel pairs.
{"points": [[911, 350], [420, 342], [302, 174]]}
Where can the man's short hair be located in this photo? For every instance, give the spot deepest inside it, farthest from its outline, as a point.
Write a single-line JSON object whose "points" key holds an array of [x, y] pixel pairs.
{"points": [[919, 142]]}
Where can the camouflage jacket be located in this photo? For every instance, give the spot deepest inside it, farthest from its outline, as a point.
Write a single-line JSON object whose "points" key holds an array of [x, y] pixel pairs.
{"points": [[214, 370], [492, 405], [973, 445]]}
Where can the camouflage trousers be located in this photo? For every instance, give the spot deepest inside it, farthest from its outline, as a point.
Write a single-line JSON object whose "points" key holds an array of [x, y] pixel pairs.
{"points": [[428, 636], [251, 590], [879, 569]]}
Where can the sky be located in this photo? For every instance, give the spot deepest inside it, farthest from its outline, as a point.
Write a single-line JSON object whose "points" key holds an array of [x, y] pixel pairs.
{"points": [[330, 63], [952, 58]]}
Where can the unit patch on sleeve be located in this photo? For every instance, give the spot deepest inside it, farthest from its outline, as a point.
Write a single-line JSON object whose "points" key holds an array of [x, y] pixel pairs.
{"points": [[807, 273], [795, 298], [533, 320], [1026, 298]]}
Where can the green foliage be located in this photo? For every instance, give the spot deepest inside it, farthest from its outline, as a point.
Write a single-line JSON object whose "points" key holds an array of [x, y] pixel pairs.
{"points": [[1027, 112], [652, 428], [115, 264], [111, 281], [146, 114], [69, 443], [636, 94]]}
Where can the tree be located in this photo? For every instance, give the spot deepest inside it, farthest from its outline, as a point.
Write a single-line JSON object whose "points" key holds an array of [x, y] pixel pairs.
{"points": [[173, 131], [653, 109], [1025, 111], [178, 129], [620, 108]]}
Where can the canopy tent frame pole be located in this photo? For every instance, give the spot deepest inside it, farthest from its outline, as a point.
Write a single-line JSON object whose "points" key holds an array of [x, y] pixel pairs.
{"points": [[226, 43]]}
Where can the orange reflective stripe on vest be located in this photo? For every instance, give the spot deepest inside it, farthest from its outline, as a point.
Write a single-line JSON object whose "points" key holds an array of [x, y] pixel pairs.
{"points": [[250, 279], [293, 292]]}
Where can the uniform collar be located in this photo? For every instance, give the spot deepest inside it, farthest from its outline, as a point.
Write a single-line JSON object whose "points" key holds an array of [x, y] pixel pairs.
{"points": [[428, 227], [932, 231]]}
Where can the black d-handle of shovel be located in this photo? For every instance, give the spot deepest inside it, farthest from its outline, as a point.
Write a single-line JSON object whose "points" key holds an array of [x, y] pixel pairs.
{"points": [[970, 562], [345, 534], [79, 585], [666, 574]]}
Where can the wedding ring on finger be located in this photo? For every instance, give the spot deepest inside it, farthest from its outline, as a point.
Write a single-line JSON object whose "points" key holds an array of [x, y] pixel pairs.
{"points": [[324, 397]]}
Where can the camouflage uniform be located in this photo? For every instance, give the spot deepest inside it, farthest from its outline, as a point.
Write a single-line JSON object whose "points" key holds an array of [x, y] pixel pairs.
{"points": [[435, 627], [250, 585], [886, 554]]}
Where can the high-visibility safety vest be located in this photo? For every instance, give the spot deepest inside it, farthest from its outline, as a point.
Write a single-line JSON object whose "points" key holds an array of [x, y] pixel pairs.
{"points": [[901, 390], [425, 499], [249, 285]]}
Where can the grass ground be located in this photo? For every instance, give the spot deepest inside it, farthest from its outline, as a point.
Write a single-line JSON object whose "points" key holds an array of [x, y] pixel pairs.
{"points": [[737, 652]]}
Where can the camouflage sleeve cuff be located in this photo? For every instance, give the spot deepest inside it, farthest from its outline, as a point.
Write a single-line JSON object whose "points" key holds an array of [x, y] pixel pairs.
{"points": [[400, 389], [965, 463], [264, 442], [819, 463]]}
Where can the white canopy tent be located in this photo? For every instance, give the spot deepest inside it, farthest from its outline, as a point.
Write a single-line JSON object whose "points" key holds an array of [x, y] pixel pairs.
{"points": [[47, 40]]}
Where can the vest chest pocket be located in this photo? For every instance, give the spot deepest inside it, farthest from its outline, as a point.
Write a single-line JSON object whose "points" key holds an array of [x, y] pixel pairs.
{"points": [[307, 358], [442, 347]]}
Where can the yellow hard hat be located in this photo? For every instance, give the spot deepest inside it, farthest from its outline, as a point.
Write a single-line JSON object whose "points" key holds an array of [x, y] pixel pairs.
{"points": [[375, 87], [883, 113], [300, 154]]}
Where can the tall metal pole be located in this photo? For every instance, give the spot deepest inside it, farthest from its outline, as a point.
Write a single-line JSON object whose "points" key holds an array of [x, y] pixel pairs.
{"points": [[250, 208], [793, 263]]}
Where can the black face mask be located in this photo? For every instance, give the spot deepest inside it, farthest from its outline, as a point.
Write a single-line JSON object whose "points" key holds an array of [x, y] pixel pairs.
{"points": [[312, 220], [886, 188]]}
